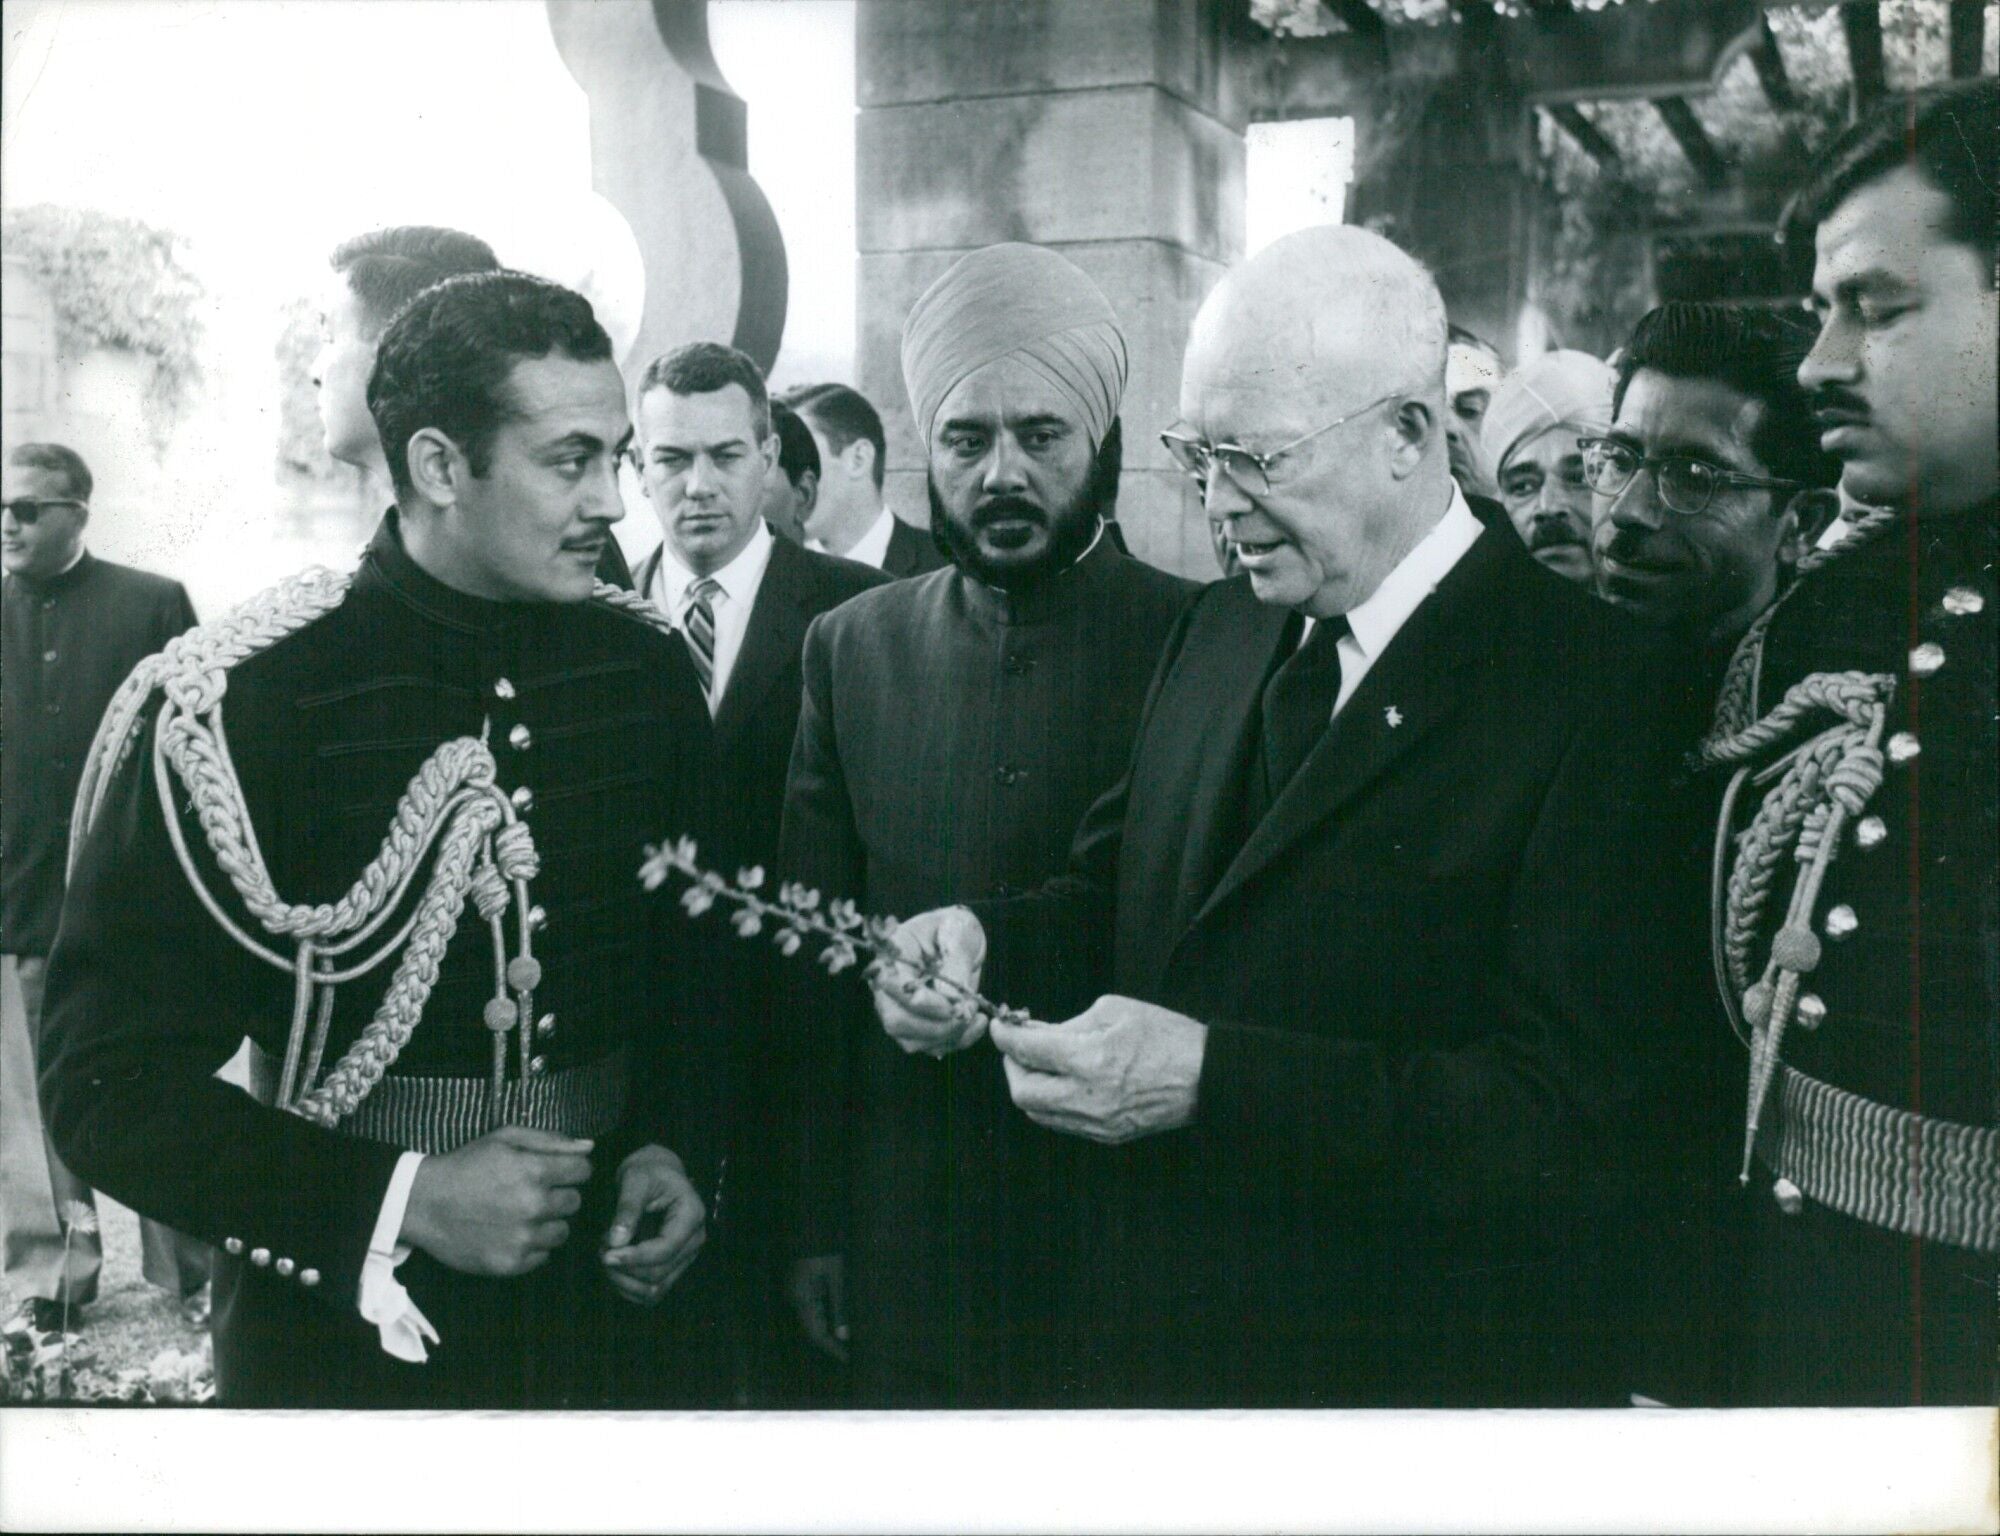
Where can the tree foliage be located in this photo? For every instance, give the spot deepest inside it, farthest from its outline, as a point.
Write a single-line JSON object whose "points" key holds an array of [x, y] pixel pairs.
{"points": [[116, 283]]}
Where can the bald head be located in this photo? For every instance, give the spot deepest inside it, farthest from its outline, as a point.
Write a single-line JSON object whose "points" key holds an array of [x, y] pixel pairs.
{"points": [[1312, 415], [1334, 311]]}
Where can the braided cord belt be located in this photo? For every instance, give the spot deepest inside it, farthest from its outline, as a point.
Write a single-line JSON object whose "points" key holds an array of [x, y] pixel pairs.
{"points": [[453, 815], [1818, 756]]}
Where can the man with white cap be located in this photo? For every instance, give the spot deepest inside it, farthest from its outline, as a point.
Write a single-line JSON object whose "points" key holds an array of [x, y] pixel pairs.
{"points": [[1530, 437], [955, 728]]}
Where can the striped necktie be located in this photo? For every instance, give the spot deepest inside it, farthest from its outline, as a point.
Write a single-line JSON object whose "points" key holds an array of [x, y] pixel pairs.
{"points": [[698, 623]]}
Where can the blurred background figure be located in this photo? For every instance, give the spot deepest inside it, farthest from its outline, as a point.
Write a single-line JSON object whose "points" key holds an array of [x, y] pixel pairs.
{"points": [[74, 627], [792, 486], [1530, 437], [1472, 371], [850, 518], [374, 275]]}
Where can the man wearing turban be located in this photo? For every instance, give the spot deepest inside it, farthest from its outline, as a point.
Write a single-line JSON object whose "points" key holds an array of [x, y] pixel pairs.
{"points": [[1531, 438], [955, 728]]}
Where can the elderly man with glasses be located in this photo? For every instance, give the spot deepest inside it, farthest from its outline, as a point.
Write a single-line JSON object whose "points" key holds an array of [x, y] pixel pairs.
{"points": [[1343, 960], [74, 627]]}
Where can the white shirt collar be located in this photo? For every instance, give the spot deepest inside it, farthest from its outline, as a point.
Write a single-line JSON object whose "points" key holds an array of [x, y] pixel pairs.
{"points": [[1375, 621], [740, 576], [872, 548]]}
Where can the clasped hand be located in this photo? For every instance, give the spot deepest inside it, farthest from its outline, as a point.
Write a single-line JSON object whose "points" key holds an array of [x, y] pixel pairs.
{"points": [[918, 1016], [502, 1205], [1119, 1070]]}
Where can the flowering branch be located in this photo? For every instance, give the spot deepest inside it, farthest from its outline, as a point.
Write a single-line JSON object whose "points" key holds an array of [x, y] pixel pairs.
{"points": [[796, 916]]}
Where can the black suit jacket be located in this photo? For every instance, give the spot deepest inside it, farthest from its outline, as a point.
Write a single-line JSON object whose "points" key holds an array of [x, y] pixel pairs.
{"points": [[1425, 1035], [69, 641], [912, 552], [759, 712]]}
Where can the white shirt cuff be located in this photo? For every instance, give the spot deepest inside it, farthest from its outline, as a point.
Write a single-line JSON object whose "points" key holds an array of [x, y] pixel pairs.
{"points": [[384, 1302]]}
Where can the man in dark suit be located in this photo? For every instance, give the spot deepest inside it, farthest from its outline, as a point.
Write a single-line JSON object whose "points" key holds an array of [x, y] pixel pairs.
{"points": [[742, 598], [74, 625], [1362, 1048], [955, 728], [849, 517]]}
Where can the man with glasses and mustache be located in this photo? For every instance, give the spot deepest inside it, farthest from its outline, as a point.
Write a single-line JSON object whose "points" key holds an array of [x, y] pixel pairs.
{"points": [[956, 726], [74, 626], [1353, 1043], [1530, 436], [1710, 484], [1858, 907]]}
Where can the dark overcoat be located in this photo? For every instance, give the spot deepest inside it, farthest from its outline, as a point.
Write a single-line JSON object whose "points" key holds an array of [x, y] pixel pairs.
{"points": [[755, 723], [951, 738], [1427, 1030]]}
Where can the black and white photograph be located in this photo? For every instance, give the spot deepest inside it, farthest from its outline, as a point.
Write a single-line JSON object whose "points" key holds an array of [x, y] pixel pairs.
{"points": [[1050, 765]]}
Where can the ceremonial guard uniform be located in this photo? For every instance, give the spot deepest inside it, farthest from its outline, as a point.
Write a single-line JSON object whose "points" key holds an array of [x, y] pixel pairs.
{"points": [[1856, 929], [462, 787]]}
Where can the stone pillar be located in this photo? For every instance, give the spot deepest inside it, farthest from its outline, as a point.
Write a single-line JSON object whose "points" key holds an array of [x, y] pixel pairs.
{"points": [[1108, 130], [1443, 169]]}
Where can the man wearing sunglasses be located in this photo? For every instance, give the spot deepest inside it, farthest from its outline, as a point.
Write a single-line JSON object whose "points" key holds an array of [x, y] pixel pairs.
{"points": [[74, 626], [1710, 484], [1342, 959]]}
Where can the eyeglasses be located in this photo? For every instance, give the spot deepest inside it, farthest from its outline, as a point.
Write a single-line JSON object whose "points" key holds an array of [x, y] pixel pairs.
{"points": [[27, 510], [1249, 469], [1687, 485]]}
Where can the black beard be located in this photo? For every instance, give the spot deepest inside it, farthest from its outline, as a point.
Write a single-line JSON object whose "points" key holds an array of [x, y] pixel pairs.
{"points": [[1070, 533]]}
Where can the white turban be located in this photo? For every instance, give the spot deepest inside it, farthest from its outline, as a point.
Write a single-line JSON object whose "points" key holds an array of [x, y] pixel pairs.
{"points": [[1015, 301], [1557, 389]]}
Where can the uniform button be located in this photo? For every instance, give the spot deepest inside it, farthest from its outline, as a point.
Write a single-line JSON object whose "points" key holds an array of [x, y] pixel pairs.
{"points": [[308, 1278], [285, 1267], [48, 655], [1010, 776], [1811, 1011], [1903, 746], [233, 1246], [1926, 658], [1960, 601], [537, 1065], [1869, 831], [546, 1024], [1841, 921], [538, 918], [54, 707], [1791, 1199], [502, 688], [523, 798], [520, 738], [261, 1257]]}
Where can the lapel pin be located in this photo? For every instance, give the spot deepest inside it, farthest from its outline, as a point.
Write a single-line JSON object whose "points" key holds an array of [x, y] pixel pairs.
{"points": [[1393, 715]]}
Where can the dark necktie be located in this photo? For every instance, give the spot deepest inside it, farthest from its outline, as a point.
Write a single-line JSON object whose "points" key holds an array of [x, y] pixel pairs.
{"points": [[699, 625], [1298, 704]]}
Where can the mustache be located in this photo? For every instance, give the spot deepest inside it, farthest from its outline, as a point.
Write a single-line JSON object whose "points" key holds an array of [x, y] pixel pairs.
{"points": [[1549, 532], [1832, 399], [1007, 509]]}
